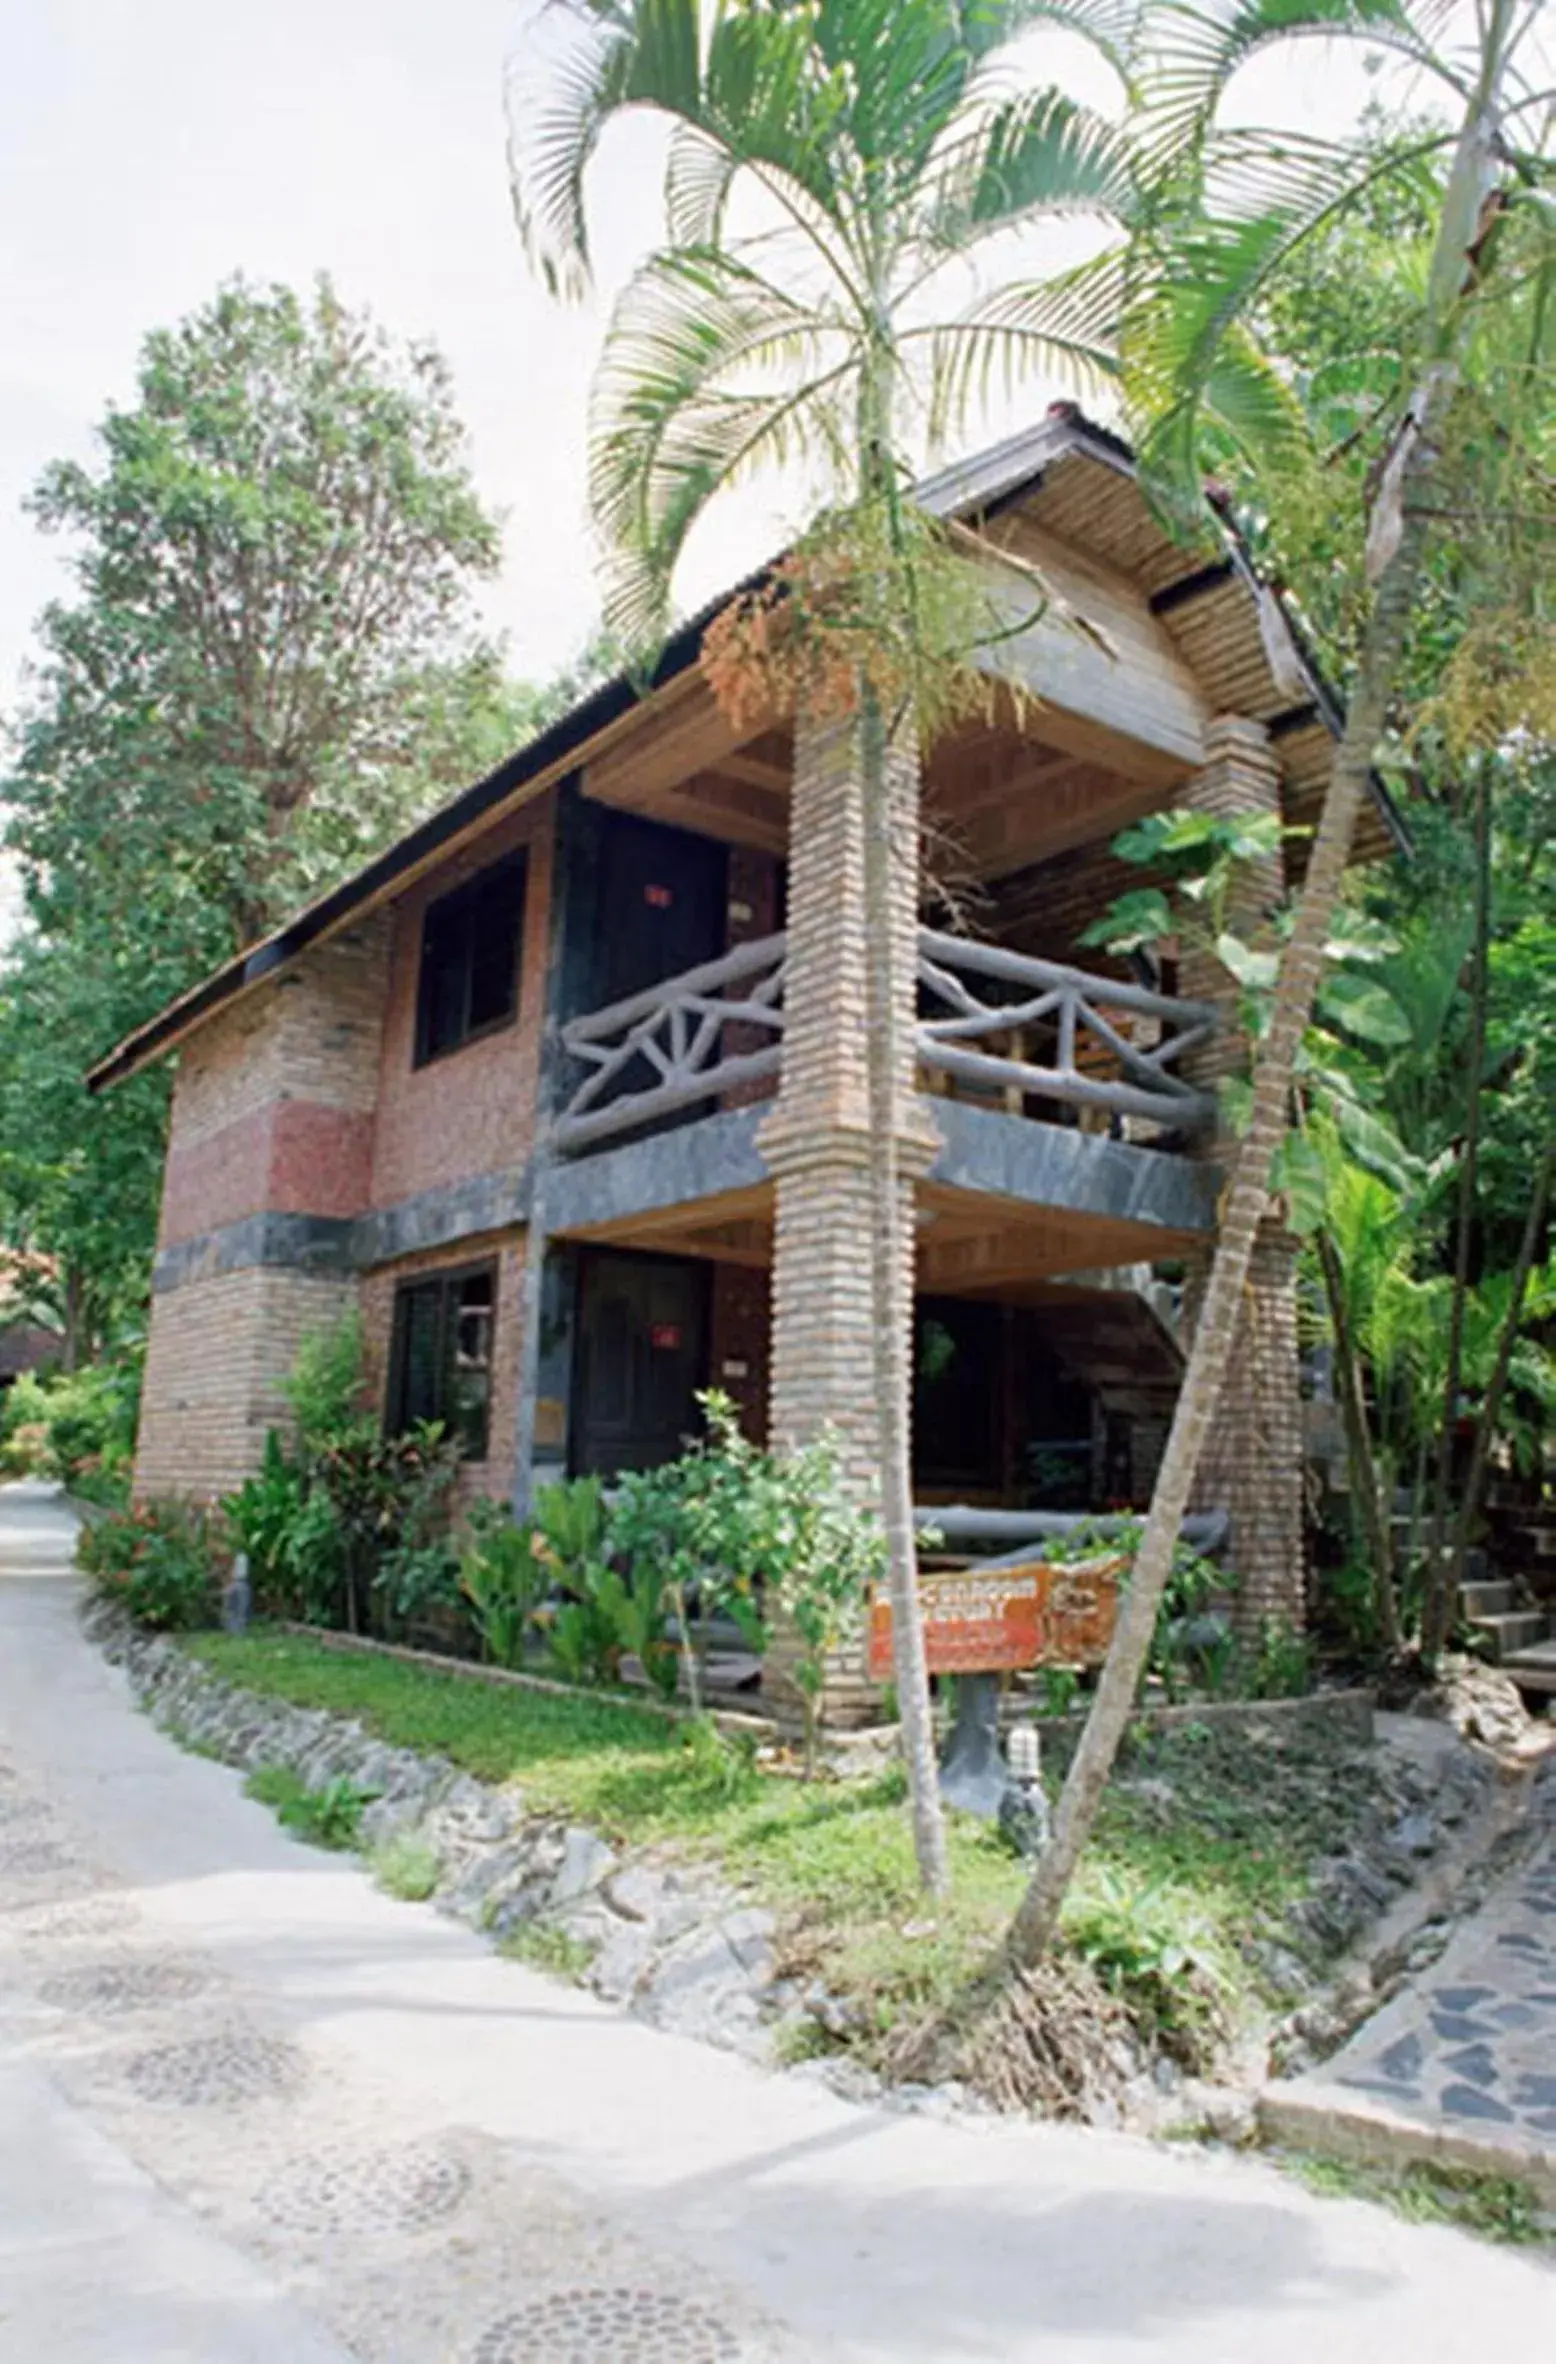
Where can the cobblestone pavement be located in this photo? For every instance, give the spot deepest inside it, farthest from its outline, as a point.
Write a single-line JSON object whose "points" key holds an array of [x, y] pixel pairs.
{"points": [[251, 2110], [1465, 2056]]}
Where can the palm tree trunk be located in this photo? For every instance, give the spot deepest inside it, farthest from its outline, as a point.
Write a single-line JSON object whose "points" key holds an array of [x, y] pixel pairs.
{"points": [[1246, 1202], [1436, 1610], [1365, 1480], [1485, 1427], [1397, 532], [891, 1290]]}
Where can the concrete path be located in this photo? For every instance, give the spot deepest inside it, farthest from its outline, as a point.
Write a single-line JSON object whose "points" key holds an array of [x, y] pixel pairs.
{"points": [[252, 2109]]}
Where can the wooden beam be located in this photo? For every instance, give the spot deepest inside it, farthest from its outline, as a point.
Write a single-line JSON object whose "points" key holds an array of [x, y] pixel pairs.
{"points": [[685, 735], [710, 804], [1071, 810], [1124, 674]]}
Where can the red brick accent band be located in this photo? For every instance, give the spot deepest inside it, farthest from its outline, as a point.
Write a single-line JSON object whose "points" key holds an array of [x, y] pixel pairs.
{"points": [[290, 1157]]}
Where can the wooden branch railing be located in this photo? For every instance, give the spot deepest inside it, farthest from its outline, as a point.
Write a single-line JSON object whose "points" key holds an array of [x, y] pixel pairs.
{"points": [[1023, 1027], [668, 1047]]}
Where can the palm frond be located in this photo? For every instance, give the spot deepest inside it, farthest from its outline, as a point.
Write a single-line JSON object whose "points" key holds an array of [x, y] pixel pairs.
{"points": [[1200, 280], [750, 88], [699, 174], [1066, 324], [556, 116], [1112, 27], [1202, 45], [709, 370], [1036, 154]]}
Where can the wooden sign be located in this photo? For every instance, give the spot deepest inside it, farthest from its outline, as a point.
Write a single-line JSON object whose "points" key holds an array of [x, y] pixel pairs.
{"points": [[983, 1621]]}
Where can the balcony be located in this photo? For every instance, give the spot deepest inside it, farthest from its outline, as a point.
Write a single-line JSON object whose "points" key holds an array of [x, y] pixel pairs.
{"points": [[1028, 1038]]}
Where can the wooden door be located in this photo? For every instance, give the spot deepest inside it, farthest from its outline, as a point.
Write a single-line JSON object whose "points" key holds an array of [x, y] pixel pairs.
{"points": [[641, 1357]]}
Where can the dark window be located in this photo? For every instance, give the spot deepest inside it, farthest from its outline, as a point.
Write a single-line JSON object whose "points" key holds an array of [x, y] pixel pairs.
{"points": [[470, 944], [440, 1360]]}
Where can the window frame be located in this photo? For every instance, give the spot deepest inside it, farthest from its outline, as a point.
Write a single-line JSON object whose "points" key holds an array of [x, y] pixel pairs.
{"points": [[447, 1280], [446, 910]]}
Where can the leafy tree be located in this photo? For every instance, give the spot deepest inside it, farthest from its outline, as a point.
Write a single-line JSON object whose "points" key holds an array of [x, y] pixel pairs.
{"points": [[880, 148], [1241, 203], [270, 665], [80, 1179]]}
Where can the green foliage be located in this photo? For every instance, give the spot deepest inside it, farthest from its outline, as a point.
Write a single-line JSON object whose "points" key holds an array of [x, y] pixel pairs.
{"points": [[755, 1534], [348, 1526], [543, 1946], [78, 1426], [326, 1389], [24, 1429], [1284, 1666], [1153, 1949], [1059, 1688], [328, 1817], [158, 1561], [504, 1580], [274, 556], [582, 1634], [731, 350], [406, 1866], [267, 667], [287, 1528], [417, 1582], [1497, 2207], [634, 1607]]}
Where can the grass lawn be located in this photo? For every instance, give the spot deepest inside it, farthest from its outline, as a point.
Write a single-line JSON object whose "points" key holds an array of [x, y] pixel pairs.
{"points": [[1198, 1865]]}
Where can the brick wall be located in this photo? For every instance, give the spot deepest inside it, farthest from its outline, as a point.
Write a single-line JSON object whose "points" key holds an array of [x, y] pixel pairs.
{"points": [[273, 1103], [472, 1112], [216, 1353]]}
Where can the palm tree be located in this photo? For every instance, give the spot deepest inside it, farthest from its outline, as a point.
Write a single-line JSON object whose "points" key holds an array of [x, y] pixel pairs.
{"points": [[869, 151], [1199, 273]]}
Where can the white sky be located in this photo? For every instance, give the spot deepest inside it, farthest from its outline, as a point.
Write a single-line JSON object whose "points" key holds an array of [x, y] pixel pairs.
{"points": [[148, 148]]}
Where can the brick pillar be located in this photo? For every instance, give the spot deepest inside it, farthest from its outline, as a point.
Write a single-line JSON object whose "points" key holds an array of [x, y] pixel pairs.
{"points": [[817, 1139], [1253, 1463]]}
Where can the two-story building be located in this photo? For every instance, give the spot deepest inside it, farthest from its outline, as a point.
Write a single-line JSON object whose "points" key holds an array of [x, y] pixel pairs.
{"points": [[566, 1089]]}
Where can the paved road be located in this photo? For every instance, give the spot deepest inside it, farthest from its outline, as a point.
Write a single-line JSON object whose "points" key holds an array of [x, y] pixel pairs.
{"points": [[252, 2110]]}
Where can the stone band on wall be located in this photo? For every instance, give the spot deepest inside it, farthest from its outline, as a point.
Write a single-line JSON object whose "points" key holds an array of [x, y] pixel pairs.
{"points": [[288, 1243], [328, 1244]]}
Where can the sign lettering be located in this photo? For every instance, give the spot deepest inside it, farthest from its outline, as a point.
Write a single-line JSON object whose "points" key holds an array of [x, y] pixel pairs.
{"points": [[981, 1622]]}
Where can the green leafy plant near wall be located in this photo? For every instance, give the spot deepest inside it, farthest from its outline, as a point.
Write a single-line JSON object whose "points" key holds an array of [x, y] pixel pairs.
{"points": [[158, 1561], [504, 1579], [725, 1529], [342, 1524]]}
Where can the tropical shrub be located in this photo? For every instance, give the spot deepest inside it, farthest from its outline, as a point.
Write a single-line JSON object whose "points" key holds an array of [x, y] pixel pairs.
{"points": [[755, 1534], [504, 1574], [569, 1538], [328, 1817], [287, 1529], [1149, 1946], [158, 1561], [77, 1426]]}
